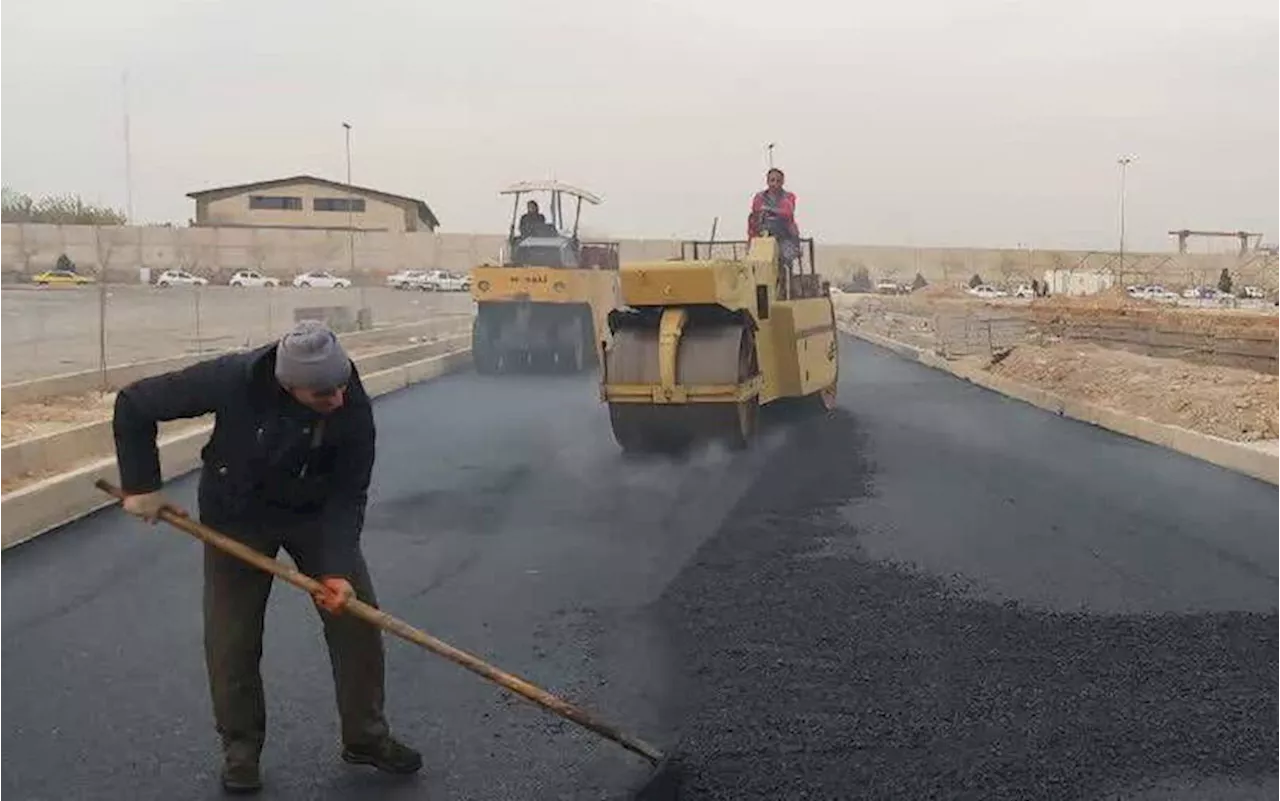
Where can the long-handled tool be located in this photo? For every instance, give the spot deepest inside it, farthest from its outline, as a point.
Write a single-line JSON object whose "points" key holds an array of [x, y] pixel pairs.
{"points": [[403, 630]]}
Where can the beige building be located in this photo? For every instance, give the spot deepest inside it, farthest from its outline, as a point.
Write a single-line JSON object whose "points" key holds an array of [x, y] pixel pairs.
{"points": [[303, 201]]}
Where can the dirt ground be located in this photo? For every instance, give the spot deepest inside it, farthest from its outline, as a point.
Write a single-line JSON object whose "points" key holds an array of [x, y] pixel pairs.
{"points": [[1226, 401], [38, 419], [16, 482]]}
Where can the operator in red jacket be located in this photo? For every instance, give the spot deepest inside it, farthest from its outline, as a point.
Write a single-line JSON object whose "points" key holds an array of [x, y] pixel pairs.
{"points": [[773, 213], [773, 202]]}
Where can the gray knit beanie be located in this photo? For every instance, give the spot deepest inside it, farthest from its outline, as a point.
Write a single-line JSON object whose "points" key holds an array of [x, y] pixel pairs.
{"points": [[310, 357]]}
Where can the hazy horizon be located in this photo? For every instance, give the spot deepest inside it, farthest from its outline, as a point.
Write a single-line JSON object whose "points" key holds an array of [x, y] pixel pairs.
{"points": [[929, 123]]}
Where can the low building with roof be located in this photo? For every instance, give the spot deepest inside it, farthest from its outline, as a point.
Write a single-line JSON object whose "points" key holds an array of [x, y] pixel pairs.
{"points": [[304, 201]]}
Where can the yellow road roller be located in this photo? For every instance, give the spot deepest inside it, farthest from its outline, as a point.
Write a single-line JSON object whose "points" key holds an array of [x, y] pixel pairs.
{"points": [[702, 342], [543, 308]]}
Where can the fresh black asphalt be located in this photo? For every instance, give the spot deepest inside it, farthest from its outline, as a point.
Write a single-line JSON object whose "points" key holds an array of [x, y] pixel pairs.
{"points": [[946, 594], [935, 593]]}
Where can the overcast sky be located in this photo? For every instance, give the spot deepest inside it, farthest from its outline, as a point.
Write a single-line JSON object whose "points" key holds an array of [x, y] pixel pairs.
{"points": [[917, 122]]}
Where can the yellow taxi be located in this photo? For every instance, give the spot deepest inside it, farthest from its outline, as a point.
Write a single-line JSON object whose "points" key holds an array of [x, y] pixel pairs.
{"points": [[60, 278]]}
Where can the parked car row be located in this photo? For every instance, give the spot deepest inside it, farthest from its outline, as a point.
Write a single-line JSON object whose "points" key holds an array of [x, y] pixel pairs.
{"points": [[253, 278], [430, 281], [1212, 293]]}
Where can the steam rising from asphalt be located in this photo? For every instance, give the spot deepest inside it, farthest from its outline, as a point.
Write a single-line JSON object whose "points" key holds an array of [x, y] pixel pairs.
{"points": [[593, 458]]}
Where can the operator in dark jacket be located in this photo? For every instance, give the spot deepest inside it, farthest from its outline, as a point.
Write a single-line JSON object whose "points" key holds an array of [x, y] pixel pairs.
{"points": [[288, 464]]}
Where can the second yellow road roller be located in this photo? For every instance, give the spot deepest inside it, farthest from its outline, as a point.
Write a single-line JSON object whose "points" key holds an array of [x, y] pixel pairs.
{"points": [[542, 309], [702, 342]]}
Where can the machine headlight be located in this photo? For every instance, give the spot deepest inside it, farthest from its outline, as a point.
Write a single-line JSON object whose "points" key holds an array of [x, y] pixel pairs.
{"points": [[483, 286]]}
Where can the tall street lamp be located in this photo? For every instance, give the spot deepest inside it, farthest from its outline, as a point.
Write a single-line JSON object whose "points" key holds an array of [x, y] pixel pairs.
{"points": [[351, 225], [1124, 162]]}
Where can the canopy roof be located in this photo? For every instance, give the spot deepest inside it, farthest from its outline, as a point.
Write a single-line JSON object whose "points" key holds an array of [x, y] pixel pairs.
{"points": [[551, 186]]}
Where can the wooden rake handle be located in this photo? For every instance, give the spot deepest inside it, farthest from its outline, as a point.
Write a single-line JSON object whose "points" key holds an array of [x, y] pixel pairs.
{"points": [[403, 630]]}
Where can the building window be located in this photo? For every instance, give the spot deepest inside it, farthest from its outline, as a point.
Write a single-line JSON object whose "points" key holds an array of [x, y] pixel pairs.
{"points": [[276, 203], [354, 204]]}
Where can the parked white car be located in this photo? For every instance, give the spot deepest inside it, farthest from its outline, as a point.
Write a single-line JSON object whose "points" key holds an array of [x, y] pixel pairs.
{"points": [[1154, 292], [1024, 291], [407, 279], [987, 292], [456, 283], [445, 281], [321, 279], [170, 278], [251, 278]]}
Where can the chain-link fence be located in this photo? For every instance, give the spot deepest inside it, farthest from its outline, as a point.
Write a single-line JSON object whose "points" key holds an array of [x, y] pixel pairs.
{"points": [[71, 328]]}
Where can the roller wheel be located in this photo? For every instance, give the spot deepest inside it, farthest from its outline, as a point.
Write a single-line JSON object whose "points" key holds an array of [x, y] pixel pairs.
{"points": [[484, 355], [714, 355]]}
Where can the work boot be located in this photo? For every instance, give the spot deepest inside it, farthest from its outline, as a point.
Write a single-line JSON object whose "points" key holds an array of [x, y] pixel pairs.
{"points": [[386, 754], [240, 770]]}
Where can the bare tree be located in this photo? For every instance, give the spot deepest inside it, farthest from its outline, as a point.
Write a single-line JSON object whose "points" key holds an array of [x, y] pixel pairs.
{"points": [[951, 265], [18, 207], [1008, 268]]}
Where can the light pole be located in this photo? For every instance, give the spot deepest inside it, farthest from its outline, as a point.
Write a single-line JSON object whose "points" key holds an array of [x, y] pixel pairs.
{"points": [[128, 154], [351, 225], [1124, 162], [769, 155]]}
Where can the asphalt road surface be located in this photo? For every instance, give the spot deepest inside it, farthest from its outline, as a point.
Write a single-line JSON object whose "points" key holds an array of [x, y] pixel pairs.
{"points": [[936, 593], [944, 593], [503, 520]]}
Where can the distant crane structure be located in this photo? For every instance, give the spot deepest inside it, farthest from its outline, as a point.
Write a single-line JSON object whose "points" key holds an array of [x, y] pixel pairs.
{"points": [[1245, 237]]}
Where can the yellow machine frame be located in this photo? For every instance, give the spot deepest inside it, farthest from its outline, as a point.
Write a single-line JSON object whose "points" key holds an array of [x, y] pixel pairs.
{"points": [[789, 314], [598, 288], [529, 311]]}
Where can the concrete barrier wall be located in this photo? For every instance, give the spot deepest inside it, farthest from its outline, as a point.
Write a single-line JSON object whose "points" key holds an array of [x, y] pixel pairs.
{"points": [[82, 382], [46, 505], [62, 449], [217, 252]]}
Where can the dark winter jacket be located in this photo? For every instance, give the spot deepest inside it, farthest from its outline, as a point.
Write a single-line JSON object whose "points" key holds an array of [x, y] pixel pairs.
{"points": [[265, 459]]}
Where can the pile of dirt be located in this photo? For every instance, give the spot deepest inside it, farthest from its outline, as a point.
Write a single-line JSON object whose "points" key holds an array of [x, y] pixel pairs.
{"points": [[1226, 402]]}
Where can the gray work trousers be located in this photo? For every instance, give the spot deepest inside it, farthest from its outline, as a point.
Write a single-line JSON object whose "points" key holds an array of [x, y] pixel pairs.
{"points": [[235, 603]]}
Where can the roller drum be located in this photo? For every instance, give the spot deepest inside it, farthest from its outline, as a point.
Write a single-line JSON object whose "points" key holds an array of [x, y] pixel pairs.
{"points": [[720, 354]]}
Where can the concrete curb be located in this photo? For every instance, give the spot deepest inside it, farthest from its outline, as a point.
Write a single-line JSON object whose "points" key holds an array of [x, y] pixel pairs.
{"points": [[78, 383], [47, 505], [58, 450], [1237, 456]]}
